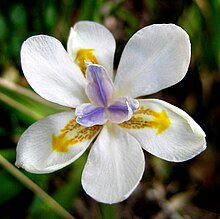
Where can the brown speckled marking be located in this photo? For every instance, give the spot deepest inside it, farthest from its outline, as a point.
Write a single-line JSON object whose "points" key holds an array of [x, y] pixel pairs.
{"points": [[147, 118], [72, 134]]}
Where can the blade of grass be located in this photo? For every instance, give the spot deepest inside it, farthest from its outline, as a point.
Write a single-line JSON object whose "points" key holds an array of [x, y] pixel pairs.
{"points": [[27, 93], [20, 107], [35, 189]]}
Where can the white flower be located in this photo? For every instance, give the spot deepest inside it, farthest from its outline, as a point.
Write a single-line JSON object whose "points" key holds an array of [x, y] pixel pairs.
{"points": [[154, 58]]}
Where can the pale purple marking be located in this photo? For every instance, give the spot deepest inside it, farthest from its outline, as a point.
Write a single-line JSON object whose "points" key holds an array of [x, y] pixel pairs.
{"points": [[100, 87], [100, 91], [89, 115], [134, 104], [121, 110], [118, 107]]}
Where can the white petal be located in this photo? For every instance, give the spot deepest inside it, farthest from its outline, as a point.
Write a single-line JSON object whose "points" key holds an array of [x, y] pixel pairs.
{"points": [[42, 147], [156, 57], [50, 72], [174, 136], [91, 35], [115, 166]]}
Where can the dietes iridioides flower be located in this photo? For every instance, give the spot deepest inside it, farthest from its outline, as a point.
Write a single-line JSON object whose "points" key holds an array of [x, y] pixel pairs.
{"points": [[104, 108]]}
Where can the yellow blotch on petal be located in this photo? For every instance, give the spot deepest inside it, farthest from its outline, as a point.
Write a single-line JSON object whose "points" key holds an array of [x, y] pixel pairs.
{"points": [[147, 118], [161, 121], [85, 55], [72, 134], [60, 143]]}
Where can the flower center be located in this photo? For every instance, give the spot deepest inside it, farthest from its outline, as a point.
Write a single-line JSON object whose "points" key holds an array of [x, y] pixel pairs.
{"points": [[103, 106]]}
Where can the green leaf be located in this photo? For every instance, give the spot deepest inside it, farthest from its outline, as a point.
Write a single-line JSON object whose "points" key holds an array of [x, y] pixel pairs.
{"points": [[18, 16], [90, 10], [3, 28]]}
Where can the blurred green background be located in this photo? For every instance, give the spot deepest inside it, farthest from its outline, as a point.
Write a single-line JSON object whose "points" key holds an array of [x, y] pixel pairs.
{"points": [[168, 190]]}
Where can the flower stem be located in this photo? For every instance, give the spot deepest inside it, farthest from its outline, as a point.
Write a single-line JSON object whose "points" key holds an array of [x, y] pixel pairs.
{"points": [[35, 189]]}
